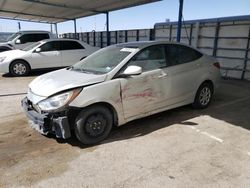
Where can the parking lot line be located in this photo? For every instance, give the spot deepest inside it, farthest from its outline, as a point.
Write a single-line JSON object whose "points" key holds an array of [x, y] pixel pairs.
{"points": [[207, 134], [12, 94], [248, 153], [232, 102], [212, 136]]}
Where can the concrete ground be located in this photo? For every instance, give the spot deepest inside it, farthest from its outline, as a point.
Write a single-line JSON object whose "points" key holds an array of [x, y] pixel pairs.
{"points": [[177, 148]]}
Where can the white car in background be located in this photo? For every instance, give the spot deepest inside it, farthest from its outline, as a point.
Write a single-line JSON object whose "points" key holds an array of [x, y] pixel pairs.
{"points": [[118, 84], [51, 53]]}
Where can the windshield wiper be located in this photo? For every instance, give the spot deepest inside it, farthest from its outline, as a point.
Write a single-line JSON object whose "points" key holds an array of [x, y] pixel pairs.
{"points": [[87, 71], [69, 68], [79, 70]]}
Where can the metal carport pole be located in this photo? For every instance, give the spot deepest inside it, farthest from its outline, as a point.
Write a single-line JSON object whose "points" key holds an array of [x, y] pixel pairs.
{"points": [[75, 28], [108, 34], [51, 28], [56, 30], [179, 21]]}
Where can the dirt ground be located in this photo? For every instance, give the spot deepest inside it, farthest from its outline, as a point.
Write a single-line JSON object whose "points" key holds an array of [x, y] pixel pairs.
{"points": [[177, 148]]}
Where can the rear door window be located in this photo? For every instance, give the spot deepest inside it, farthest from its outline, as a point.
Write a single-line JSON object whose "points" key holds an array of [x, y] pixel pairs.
{"points": [[179, 54], [71, 45]]}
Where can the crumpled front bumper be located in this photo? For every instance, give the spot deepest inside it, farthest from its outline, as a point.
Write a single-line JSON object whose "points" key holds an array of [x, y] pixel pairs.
{"points": [[47, 123]]}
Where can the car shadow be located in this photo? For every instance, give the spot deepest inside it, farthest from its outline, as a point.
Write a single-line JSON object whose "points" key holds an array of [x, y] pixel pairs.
{"points": [[139, 127], [226, 106], [32, 73]]}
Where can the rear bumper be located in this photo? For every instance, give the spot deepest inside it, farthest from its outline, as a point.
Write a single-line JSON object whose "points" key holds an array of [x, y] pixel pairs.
{"points": [[47, 123]]}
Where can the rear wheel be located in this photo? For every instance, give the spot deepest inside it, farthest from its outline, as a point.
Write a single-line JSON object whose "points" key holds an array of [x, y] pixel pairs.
{"points": [[19, 68], [93, 124], [203, 96]]}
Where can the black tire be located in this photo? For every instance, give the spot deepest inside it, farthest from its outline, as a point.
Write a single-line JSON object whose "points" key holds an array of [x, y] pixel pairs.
{"points": [[19, 68], [93, 124], [203, 96]]}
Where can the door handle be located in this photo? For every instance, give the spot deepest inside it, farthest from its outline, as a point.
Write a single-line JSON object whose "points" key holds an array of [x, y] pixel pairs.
{"points": [[164, 75]]}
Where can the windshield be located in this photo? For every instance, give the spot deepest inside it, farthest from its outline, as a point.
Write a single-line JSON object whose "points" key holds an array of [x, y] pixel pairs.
{"points": [[102, 61], [30, 47], [13, 36]]}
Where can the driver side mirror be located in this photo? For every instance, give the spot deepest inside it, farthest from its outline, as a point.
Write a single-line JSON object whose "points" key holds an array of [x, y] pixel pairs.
{"points": [[18, 41], [131, 70], [38, 50]]}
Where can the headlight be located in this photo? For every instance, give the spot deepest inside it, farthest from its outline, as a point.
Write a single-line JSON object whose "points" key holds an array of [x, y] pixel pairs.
{"points": [[2, 59], [58, 101]]}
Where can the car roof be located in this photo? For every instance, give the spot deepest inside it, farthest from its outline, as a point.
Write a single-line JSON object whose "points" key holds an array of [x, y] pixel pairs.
{"points": [[34, 31], [138, 44], [144, 44], [60, 39]]}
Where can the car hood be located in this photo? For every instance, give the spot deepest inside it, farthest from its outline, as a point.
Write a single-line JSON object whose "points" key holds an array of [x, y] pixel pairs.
{"points": [[60, 80], [12, 53], [4, 43]]}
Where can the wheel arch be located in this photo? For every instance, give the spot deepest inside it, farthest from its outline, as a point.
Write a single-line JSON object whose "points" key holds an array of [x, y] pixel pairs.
{"points": [[209, 82], [4, 48], [108, 106], [13, 61]]}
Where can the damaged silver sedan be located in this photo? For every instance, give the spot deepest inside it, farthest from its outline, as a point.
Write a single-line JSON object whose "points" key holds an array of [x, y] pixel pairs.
{"points": [[118, 84]]}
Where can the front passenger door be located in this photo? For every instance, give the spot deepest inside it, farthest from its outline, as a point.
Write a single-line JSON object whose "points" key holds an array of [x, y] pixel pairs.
{"points": [[23, 41], [49, 56], [144, 93]]}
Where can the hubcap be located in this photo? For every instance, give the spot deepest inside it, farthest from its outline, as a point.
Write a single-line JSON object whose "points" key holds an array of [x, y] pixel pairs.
{"points": [[19, 69], [95, 125], [205, 96]]}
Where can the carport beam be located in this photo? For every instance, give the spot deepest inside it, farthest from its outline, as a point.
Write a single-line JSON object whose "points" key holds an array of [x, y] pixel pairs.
{"points": [[179, 21], [107, 31]]}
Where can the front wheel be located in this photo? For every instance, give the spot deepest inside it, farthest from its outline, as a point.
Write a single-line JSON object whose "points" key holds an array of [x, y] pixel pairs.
{"points": [[203, 96], [19, 68], [93, 124]]}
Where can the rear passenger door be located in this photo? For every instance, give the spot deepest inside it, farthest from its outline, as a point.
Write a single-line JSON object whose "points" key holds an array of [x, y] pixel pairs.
{"points": [[72, 52], [184, 71]]}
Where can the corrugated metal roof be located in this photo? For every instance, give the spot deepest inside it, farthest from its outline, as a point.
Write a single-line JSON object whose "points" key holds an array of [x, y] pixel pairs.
{"points": [[54, 11]]}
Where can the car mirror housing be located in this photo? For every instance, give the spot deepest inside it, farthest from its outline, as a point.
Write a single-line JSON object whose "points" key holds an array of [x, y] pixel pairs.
{"points": [[132, 70], [18, 41], [38, 50]]}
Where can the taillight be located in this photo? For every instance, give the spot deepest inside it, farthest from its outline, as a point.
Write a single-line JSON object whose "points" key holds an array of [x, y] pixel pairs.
{"points": [[217, 65]]}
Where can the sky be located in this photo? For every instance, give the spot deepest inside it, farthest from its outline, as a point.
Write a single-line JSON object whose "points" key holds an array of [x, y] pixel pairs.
{"points": [[142, 17]]}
